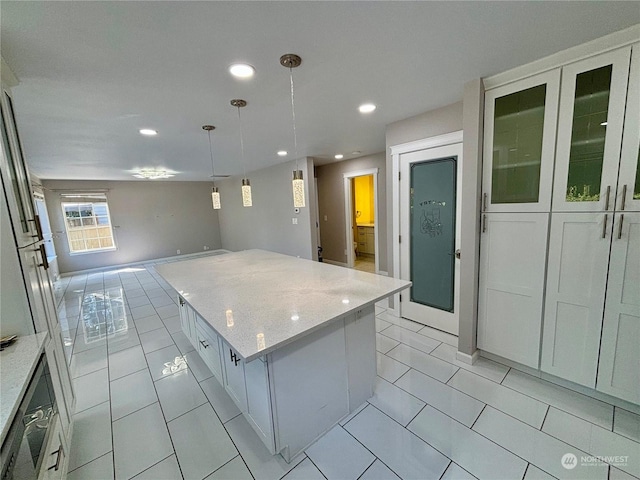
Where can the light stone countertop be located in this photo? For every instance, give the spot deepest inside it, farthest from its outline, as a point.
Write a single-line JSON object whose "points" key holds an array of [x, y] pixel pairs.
{"points": [[17, 363], [259, 301]]}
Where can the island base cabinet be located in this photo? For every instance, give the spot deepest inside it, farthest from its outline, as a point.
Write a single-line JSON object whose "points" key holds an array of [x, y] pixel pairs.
{"points": [[619, 367], [209, 349], [512, 260], [54, 464], [293, 395]]}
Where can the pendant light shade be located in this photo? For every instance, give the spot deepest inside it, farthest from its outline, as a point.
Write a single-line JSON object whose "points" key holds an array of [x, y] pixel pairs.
{"points": [[292, 61], [215, 194], [298, 189], [246, 185], [215, 198], [246, 193]]}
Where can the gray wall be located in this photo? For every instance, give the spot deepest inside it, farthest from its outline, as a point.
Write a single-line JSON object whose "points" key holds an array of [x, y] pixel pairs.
{"points": [[152, 219], [429, 124], [268, 223], [331, 203]]}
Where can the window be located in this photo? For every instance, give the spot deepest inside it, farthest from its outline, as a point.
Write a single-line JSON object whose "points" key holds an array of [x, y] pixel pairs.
{"points": [[87, 223]]}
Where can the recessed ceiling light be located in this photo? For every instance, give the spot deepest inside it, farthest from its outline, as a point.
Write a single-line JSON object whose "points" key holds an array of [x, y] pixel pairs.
{"points": [[148, 131], [338, 156], [282, 153], [242, 70], [367, 108]]}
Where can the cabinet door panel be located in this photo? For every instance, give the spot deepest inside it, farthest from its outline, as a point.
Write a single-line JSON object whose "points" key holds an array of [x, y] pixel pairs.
{"points": [[520, 127], [619, 369], [590, 120], [234, 380], [628, 197], [209, 351], [576, 280], [512, 259], [259, 402]]}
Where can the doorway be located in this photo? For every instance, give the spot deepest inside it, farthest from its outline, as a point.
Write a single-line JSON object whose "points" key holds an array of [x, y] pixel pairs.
{"points": [[429, 235], [361, 220]]}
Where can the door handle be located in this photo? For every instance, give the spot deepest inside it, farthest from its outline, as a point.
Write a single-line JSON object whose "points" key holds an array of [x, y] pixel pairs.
{"points": [[484, 202], [484, 223], [604, 227], [620, 227], [624, 196], [606, 201], [38, 235]]}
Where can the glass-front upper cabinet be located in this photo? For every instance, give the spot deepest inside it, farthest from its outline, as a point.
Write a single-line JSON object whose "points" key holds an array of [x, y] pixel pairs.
{"points": [[15, 175], [590, 122], [628, 194], [520, 126]]}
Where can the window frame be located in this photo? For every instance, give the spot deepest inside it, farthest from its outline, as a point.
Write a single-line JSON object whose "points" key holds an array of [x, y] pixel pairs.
{"points": [[78, 201]]}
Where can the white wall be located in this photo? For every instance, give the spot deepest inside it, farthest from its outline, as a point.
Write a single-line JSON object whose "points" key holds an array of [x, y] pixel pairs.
{"points": [[152, 219], [268, 223], [429, 124]]}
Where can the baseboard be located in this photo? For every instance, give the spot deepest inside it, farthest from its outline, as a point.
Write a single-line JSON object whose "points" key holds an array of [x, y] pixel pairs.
{"points": [[466, 358], [142, 262], [589, 392], [333, 262]]}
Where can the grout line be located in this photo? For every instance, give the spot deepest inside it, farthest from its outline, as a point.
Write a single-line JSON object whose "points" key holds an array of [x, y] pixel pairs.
{"points": [[148, 468], [445, 470], [312, 463], [545, 418], [478, 417]]}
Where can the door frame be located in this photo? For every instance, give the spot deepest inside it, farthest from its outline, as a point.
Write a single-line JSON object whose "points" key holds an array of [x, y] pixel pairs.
{"points": [[348, 206], [396, 152]]}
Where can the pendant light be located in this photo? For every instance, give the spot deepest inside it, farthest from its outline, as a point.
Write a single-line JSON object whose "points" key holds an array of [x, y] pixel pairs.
{"points": [[292, 61], [215, 194], [246, 185]]}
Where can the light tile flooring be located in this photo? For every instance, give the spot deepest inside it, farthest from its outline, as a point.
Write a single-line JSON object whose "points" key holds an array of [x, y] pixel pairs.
{"points": [[365, 263], [148, 407]]}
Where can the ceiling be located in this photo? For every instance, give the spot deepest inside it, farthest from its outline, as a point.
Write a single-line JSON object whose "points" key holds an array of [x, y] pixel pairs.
{"points": [[93, 73]]}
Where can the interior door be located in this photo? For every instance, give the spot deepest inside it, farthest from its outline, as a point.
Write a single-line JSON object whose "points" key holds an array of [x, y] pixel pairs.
{"points": [[429, 240]]}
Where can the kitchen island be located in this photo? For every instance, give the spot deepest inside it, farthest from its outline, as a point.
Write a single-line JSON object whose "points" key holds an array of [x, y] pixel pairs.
{"points": [[291, 340]]}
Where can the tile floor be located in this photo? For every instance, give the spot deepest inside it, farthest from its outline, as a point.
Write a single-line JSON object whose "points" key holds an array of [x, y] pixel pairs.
{"points": [[148, 407], [365, 263]]}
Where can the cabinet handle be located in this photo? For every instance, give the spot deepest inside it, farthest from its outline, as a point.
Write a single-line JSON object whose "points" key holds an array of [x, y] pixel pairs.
{"points": [[43, 254], [484, 223], [624, 196], [604, 227], [58, 454], [234, 357], [620, 227], [606, 202], [204, 344], [38, 235], [484, 202]]}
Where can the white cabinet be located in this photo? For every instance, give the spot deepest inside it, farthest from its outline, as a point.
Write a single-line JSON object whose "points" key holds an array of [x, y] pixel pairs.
{"points": [[619, 369], [576, 282], [512, 261], [207, 345], [519, 141], [590, 122], [366, 240], [297, 392], [628, 195], [54, 463], [234, 381]]}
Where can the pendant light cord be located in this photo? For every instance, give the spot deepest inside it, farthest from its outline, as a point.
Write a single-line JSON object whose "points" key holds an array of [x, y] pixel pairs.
{"points": [[293, 116], [244, 168], [213, 178]]}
